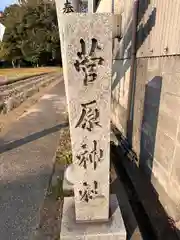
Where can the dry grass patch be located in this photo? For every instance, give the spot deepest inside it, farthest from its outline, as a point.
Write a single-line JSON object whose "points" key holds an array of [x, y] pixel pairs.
{"points": [[12, 74]]}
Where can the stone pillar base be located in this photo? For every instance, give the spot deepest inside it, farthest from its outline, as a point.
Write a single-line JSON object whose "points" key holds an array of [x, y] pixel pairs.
{"points": [[114, 229], [68, 189]]}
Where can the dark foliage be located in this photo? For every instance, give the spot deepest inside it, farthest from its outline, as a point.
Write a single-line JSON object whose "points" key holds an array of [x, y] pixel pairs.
{"points": [[31, 34]]}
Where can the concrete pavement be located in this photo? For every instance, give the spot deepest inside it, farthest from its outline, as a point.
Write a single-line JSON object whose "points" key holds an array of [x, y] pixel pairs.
{"points": [[26, 162]]}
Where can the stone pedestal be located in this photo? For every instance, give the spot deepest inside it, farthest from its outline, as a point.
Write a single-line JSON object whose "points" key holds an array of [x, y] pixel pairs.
{"points": [[91, 6], [68, 189], [114, 229], [68, 181]]}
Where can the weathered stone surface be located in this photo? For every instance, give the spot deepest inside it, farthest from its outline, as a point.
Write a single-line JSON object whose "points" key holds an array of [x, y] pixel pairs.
{"points": [[87, 42], [11, 103], [171, 83], [170, 104], [31, 92], [164, 149], [118, 115], [156, 116], [168, 124], [68, 189], [68, 174], [169, 64], [112, 230], [176, 167], [20, 95]]}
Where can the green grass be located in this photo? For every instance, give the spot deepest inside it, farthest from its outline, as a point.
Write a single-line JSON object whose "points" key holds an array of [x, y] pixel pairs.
{"points": [[57, 191], [14, 74], [64, 157]]}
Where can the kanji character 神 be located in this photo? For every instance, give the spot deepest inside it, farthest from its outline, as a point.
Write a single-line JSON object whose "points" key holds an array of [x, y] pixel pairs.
{"points": [[92, 157]]}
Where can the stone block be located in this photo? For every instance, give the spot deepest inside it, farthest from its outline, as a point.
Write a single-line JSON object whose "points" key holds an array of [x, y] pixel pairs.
{"points": [[68, 189], [120, 80], [170, 104], [167, 124], [163, 157], [168, 63], [11, 103], [68, 181], [160, 174], [122, 116], [138, 105], [175, 63], [171, 83], [176, 165], [140, 92], [153, 65], [113, 229], [31, 92], [164, 149], [141, 71]]}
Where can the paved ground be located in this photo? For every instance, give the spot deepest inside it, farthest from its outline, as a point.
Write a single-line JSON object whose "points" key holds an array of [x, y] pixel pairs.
{"points": [[26, 161]]}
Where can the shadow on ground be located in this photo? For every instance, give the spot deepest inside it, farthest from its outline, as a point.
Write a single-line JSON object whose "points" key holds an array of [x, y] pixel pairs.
{"points": [[30, 138]]}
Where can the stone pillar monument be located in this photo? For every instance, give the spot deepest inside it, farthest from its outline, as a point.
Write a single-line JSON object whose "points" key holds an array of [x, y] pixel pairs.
{"points": [[91, 6], [87, 63]]}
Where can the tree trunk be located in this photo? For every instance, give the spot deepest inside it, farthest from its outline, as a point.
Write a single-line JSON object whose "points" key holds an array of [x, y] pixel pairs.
{"points": [[13, 65], [19, 63]]}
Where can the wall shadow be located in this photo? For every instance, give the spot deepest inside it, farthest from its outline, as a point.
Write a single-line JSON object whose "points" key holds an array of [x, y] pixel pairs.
{"points": [[142, 34], [117, 187], [135, 221], [152, 219], [148, 197], [5, 147], [125, 62], [96, 4], [149, 123]]}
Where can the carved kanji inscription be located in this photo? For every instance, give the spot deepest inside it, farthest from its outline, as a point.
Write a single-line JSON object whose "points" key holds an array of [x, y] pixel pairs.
{"points": [[88, 63]]}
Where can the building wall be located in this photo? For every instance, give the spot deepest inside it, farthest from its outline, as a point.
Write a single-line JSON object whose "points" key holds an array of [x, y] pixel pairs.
{"points": [[163, 18], [156, 125], [156, 120], [121, 69]]}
